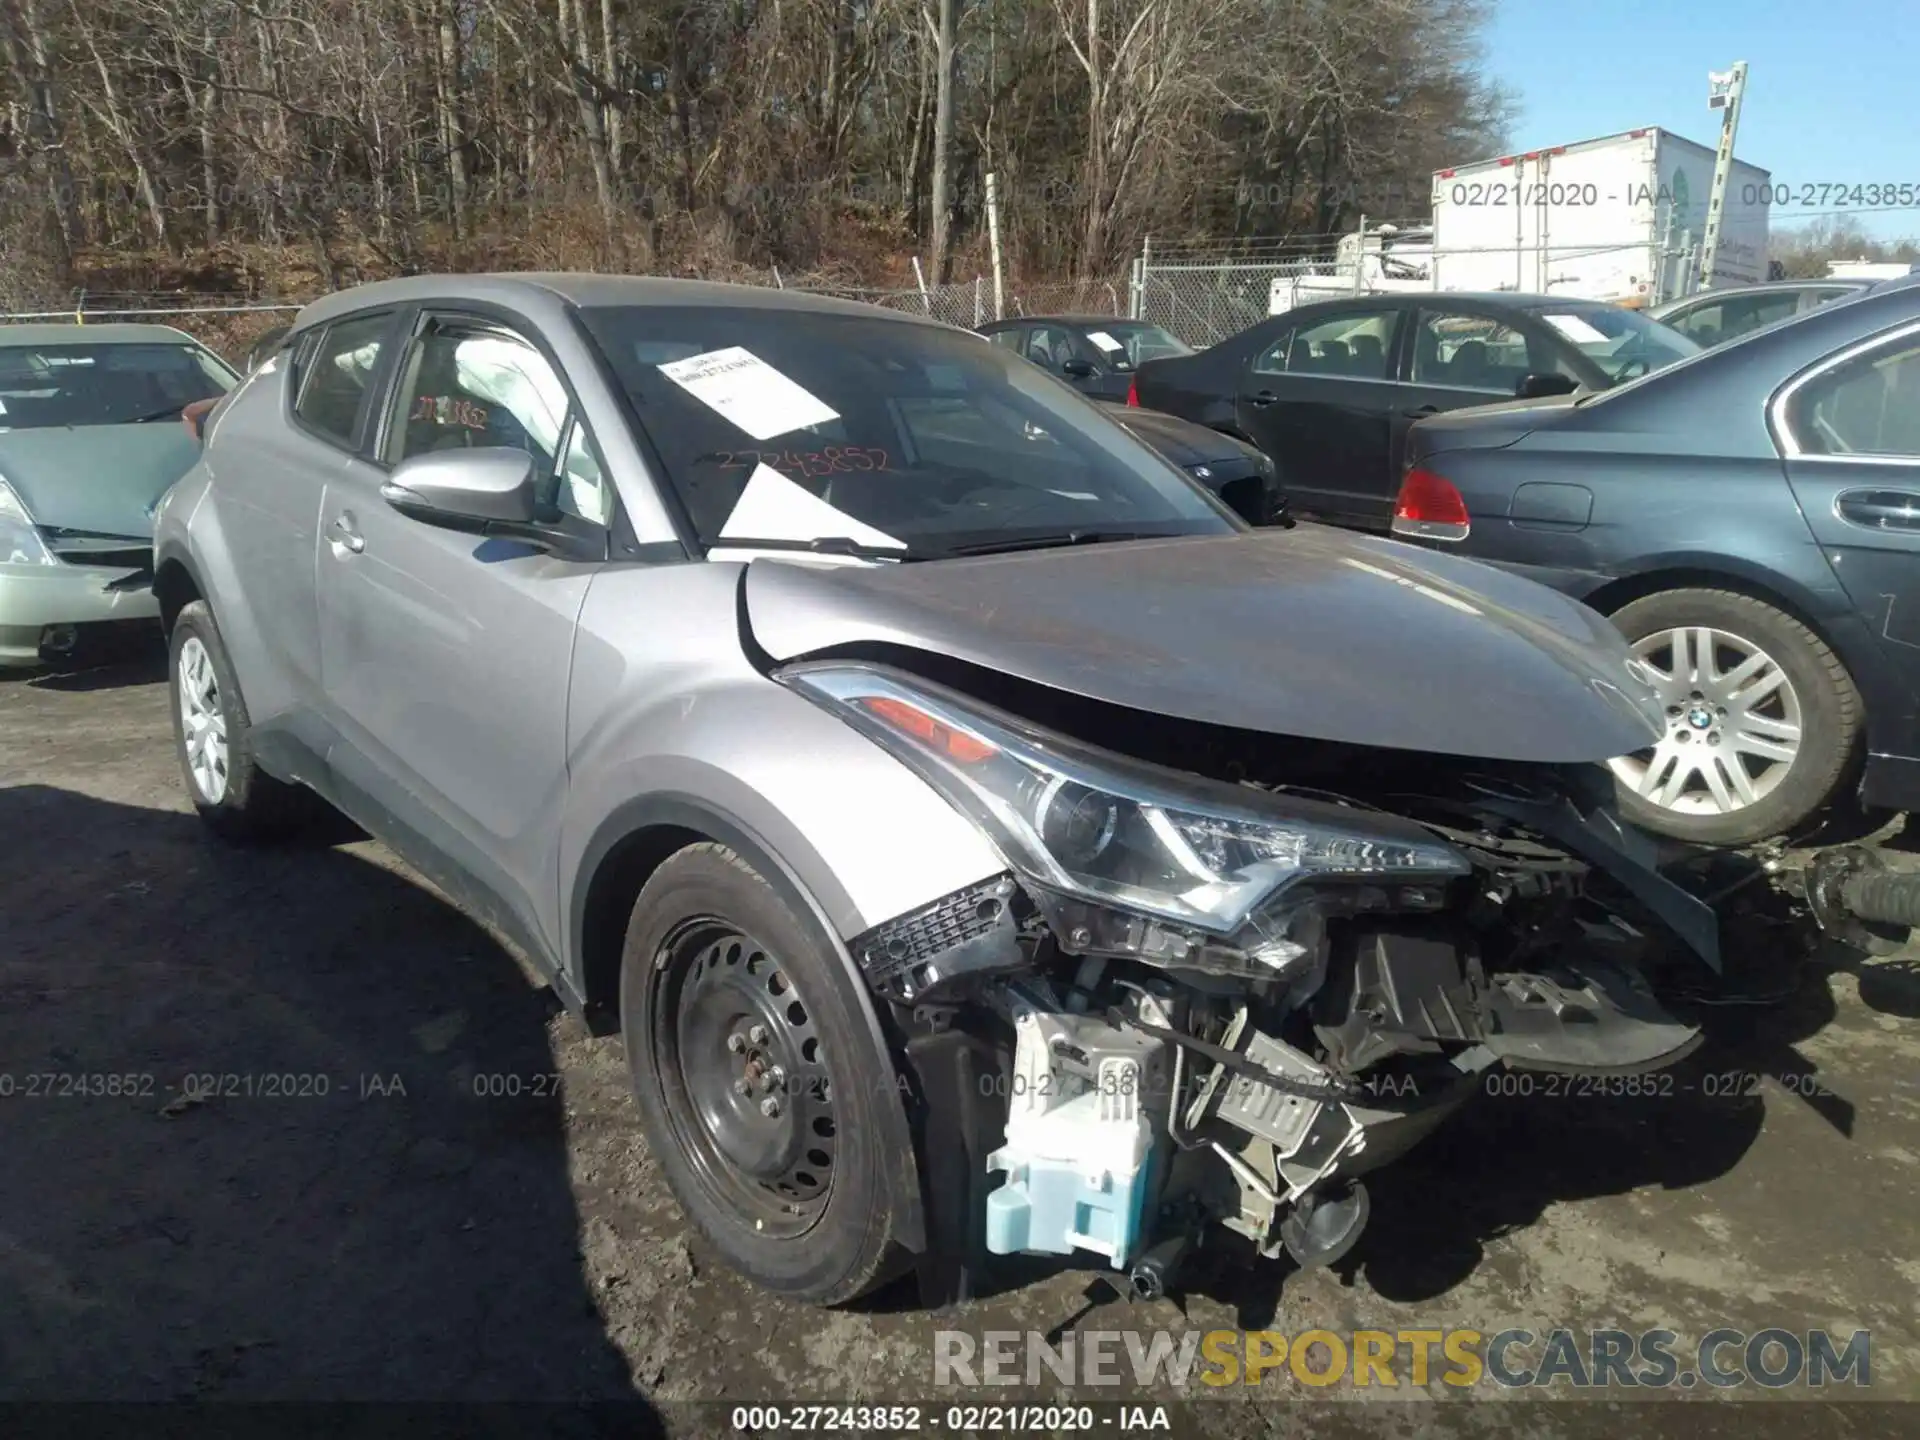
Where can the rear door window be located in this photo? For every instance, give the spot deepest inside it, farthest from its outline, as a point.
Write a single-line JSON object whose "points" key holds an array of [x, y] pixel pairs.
{"points": [[1868, 406], [337, 374], [1356, 345]]}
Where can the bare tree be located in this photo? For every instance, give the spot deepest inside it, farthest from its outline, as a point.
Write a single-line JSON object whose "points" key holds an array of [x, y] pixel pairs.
{"points": [[299, 144]]}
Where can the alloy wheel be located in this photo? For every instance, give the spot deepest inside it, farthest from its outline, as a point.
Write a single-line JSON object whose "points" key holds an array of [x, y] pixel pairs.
{"points": [[203, 721], [1733, 723], [747, 1089]]}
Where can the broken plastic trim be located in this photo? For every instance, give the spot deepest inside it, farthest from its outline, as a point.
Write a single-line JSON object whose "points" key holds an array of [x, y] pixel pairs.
{"points": [[973, 931], [1283, 940]]}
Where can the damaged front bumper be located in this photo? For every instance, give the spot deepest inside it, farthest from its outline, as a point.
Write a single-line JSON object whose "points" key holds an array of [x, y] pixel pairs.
{"points": [[1216, 986], [1097, 1082]]}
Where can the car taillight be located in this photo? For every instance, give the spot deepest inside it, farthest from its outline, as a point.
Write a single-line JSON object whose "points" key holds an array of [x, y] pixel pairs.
{"points": [[1133, 392], [1430, 508]]}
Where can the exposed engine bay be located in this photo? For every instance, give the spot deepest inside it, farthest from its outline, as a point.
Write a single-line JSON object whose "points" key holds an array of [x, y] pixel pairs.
{"points": [[1102, 1081]]}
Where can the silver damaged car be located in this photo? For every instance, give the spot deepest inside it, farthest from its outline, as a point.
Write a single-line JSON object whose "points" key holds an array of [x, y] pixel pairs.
{"points": [[983, 841]]}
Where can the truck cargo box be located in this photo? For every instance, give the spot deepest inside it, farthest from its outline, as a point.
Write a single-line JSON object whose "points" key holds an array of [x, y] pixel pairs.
{"points": [[1609, 219]]}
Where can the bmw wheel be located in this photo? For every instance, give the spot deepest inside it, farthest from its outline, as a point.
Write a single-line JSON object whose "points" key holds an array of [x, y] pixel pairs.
{"points": [[1762, 719], [757, 1079], [236, 798]]}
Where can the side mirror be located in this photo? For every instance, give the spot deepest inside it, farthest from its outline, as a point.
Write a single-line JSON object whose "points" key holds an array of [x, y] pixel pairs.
{"points": [[1538, 386], [479, 489], [1078, 369]]}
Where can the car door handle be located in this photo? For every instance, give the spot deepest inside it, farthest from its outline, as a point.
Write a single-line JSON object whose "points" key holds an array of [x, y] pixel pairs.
{"points": [[344, 535], [1262, 398], [1422, 412], [1880, 509]]}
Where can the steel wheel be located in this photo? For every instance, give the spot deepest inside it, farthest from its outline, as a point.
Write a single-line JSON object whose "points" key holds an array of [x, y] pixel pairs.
{"points": [[203, 721], [748, 1095], [1734, 723]]}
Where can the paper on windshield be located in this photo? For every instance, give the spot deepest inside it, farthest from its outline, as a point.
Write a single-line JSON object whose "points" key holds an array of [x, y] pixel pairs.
{"points": [[772, 507], [1105, 341], [1576, 329], [743, 388]]}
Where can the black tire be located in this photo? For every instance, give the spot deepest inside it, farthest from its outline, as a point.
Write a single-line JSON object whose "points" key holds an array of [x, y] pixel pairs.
{"points": [[708, 936], [1830, 712], [252, 805]]}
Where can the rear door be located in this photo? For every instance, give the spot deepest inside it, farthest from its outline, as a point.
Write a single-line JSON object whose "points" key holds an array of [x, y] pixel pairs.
{"points": [[270, 476], [1850, 430], [1319, 398], [1107, 356], [446, 655]]}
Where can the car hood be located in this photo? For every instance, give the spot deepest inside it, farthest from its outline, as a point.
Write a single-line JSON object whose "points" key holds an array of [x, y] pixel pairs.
{"points": [[101, 478], [1310, 632], [1181, 441]]}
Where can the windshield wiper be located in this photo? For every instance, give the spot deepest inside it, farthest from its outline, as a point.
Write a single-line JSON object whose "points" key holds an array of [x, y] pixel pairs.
{"points": [[1065, 537], [818, 545], [174, 409]]}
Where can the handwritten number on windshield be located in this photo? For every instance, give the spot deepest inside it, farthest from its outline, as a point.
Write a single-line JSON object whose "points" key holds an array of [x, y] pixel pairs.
{"points": [[833, 459]]}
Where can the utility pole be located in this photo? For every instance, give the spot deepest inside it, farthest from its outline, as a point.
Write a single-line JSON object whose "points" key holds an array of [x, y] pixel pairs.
{"points": [[1723, 94]]}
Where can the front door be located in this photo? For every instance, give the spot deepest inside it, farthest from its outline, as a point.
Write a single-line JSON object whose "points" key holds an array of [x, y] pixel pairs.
{"points": [[447, 656], [1319, 399], [1461, 358]]}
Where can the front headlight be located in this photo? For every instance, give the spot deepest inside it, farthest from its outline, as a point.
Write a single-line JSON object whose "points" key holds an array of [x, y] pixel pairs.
{"points": [[1090, 824], [20, 542]]}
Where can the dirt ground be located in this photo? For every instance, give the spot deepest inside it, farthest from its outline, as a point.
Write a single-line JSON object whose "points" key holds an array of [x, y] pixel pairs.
{"points": [[382, 1220]]}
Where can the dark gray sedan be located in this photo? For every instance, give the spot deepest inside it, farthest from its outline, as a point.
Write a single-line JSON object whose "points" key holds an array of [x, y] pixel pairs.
{"points": [[1096, 354], [1751, 520]]}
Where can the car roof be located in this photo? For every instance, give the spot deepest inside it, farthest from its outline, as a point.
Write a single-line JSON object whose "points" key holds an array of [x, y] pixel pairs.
{"points": [[1498, 299], [1767, 287], [585, 291], [1082, 321], [70, 332]]}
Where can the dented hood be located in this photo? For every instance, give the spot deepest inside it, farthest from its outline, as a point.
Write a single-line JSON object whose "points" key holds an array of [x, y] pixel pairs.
{"points": [[1309, 632]]}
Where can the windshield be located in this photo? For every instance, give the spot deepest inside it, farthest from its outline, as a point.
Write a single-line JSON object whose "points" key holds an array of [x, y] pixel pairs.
{"points": [[797, 426], [1623, 343], [1127, 343], [52, 386]]}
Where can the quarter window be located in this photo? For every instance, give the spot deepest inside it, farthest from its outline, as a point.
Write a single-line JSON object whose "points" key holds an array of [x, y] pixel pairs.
{"points": [[1356, 345], [583, 489], [335, 375], [1868, 406]]}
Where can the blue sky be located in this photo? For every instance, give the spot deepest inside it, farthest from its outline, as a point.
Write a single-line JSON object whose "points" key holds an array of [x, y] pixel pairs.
{"points": [[1829, 85]]}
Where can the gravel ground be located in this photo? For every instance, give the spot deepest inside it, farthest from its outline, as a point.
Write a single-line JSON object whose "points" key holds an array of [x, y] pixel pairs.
{"points": [[436, 1189]]}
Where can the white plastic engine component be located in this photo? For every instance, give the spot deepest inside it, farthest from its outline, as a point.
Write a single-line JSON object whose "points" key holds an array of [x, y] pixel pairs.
{"points": [[1078, 1152]]}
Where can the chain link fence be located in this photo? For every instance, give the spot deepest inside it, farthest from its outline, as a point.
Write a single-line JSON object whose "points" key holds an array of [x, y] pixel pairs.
{"points": [[230, 325], [1204, 298], [1206, 294]]}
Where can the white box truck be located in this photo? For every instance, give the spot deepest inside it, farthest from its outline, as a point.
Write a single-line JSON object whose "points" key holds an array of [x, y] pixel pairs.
{"points": [[1621, 218]]}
